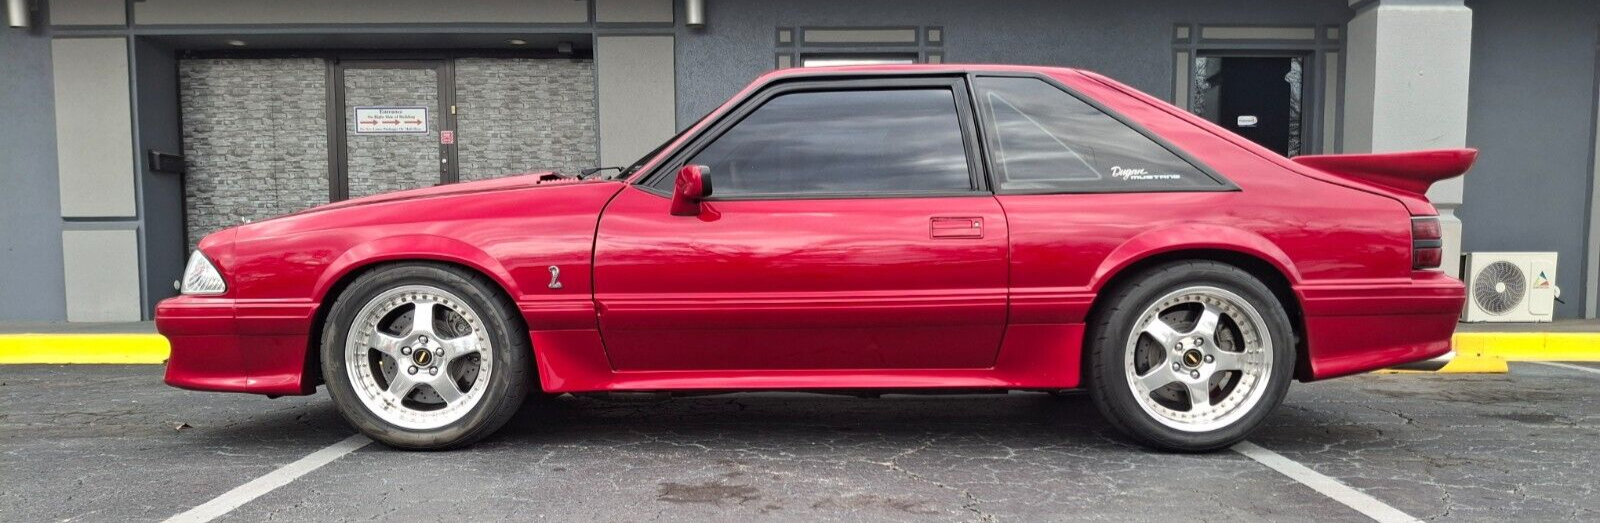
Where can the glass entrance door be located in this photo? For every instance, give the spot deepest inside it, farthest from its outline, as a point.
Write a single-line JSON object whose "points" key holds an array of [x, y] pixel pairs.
{"points": [[398, 132]]}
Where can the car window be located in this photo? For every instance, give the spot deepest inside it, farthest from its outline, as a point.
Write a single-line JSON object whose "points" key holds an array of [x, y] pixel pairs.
{"points": [[843, 143], [1045, 139]]}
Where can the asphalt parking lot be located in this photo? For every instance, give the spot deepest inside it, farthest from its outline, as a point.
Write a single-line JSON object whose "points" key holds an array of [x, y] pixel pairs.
{"points": [[104, 443]]}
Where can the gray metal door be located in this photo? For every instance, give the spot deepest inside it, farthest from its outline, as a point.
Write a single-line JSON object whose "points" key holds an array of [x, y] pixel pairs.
{"points": [[393, 113]]}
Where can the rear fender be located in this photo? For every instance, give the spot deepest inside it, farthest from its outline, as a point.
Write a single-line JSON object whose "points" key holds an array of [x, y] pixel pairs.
{"points": [[1197, 236]]}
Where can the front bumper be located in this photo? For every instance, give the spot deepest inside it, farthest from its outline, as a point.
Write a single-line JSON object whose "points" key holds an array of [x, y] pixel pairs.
{"points": [[213, 349]]}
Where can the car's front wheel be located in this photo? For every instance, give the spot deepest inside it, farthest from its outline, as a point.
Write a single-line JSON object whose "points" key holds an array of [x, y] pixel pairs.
{"points": [[425, 356], [1190, 356]]}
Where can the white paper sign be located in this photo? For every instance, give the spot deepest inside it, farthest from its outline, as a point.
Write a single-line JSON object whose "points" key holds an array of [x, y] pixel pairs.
{"points": [[1247, 121], [392, 120]]}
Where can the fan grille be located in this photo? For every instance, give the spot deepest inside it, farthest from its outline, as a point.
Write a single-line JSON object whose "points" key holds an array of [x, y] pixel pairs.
{"points": [[1499, 287]]}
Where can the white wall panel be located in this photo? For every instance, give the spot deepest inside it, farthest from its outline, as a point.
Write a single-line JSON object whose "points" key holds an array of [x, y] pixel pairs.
{"points": [[94, 127], [638, 97], [102, 274]]}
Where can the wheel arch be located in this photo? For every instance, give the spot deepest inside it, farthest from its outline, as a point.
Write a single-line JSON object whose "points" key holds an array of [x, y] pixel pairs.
{"points": [[390, 252], [1275, 274]]}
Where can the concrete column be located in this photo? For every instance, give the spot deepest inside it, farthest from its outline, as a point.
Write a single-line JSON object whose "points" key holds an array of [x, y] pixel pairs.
{"points": [[1406, 88]]}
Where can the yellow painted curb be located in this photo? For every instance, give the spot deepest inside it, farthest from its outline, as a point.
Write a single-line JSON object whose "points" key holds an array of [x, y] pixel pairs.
{"points": [[1489, 352], [18, 349]]}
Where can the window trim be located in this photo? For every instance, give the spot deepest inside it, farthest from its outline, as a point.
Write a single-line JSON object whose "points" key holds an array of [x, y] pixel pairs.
{"points": [[985, 119], [977, 167]]}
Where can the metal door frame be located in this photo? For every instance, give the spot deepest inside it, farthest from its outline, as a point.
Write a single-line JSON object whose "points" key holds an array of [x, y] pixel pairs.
{"points": [[338, 133]]}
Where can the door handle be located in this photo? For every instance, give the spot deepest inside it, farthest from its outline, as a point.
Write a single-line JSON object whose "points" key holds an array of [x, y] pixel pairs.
{"points": [[955, 227]]}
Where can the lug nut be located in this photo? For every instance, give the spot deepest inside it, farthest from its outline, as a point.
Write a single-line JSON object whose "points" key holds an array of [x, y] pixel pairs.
{"points": [[433, 371], [412, 370], [422, 340], [405, 350], [1209, 358], [1176, 366], [1198, 341], [1194, 374], [438, 352]]}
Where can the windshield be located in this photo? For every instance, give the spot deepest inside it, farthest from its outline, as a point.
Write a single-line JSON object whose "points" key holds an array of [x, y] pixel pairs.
{"points": [[629, 170]]}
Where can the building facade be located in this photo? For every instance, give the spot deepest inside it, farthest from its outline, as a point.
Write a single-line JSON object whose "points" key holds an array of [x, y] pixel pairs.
{"points": [[129, 129]]}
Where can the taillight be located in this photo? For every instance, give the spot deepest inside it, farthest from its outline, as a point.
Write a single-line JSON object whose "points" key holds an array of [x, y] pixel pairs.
{"points": [[1427, 243]]}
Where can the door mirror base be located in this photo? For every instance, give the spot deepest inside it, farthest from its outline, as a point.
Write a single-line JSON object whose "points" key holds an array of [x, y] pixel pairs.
{"points": [[692, 186]]}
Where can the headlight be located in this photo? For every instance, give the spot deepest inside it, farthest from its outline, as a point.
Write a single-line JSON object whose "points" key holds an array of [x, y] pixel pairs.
{"points": [[201, 277]]}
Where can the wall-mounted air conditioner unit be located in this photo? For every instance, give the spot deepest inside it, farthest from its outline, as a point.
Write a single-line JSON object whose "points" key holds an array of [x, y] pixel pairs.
{"points": [[1509, 286]]}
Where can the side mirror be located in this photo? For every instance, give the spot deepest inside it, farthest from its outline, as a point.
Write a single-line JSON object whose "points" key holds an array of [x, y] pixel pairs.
{"points": [[693, 185]]}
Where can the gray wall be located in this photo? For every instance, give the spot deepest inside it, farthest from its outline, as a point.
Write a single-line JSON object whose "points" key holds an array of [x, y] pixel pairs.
{"points": [[30, 204], [1130, 43], [156, 103], [1531, 114]]}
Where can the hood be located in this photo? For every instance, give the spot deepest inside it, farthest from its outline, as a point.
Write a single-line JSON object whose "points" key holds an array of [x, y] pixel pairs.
{"points": [[518, 181], [348, 212]]}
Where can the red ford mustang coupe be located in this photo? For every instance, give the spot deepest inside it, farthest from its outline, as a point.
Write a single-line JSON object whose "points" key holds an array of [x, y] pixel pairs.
{"points": [[903, 228]]}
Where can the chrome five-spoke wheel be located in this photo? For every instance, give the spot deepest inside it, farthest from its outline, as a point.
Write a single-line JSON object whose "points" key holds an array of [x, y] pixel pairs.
{"points": [[1190, 355], [418, 356], [426, 355], [1198, 359]]}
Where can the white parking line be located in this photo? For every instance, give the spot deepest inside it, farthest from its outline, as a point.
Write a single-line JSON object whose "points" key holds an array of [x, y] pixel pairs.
{"points": [[1365, 504], [260, 486], [1567, 366]]}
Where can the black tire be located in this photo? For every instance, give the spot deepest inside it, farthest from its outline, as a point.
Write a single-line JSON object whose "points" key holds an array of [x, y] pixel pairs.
{"points": [[1111, 326], [509, 381]]}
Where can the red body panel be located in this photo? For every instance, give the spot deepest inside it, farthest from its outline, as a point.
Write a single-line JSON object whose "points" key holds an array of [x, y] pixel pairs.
{"points": [[801, 284], [841, 293]]}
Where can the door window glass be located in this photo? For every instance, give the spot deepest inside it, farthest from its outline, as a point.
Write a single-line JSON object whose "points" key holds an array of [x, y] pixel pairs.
{"points": [[1045, 139], [843, 142]]}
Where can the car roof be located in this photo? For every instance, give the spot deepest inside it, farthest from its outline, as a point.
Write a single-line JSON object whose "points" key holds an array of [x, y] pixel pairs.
{"points": [[847, 70]]}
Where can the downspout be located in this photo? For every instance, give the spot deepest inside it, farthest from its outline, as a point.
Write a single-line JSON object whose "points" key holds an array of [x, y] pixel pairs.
{"points": [[694, 13], [17, 13]]}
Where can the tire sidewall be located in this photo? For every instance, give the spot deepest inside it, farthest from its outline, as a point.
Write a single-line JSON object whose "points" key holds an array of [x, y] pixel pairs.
{"points": [[1112, 392], [509, 352]]}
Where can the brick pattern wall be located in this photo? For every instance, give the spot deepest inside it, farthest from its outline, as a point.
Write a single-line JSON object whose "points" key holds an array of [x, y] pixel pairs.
{"points": [[520, 115], [384, 163], [255, 134]]}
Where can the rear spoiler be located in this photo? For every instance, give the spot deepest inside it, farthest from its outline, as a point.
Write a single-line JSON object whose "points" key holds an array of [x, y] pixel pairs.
{"points": [[1410, 172]]}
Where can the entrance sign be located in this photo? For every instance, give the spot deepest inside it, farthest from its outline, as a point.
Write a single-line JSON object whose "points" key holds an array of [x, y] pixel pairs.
{"points": [[392, 120]]}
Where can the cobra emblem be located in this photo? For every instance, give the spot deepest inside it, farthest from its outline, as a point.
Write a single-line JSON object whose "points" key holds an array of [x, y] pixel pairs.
{"points": [[555, 277]]}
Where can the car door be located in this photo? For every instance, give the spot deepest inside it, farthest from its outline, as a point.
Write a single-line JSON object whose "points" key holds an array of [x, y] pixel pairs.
{"points": [[848, 228]]}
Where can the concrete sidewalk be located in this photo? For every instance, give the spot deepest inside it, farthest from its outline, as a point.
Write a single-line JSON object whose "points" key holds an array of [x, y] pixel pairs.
{"points": [[62, 327], [1589, 325]]}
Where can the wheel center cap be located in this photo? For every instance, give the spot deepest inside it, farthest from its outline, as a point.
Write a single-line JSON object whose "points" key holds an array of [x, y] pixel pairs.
{"points": [[1192, 358], [422, 357]]}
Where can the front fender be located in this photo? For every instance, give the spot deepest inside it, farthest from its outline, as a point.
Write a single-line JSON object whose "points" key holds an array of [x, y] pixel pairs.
{"points": [[413, 247]]}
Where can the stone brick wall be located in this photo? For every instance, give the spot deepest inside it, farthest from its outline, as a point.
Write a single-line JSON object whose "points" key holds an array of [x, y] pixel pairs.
{"points": [[520, 115], [256, 136]]}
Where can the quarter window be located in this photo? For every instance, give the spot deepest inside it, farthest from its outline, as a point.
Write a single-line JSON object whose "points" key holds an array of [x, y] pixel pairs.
{"points": [[843, 143], [1045, 139]]}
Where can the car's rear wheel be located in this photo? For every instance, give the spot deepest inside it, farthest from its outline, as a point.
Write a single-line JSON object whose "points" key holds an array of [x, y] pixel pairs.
{"points": [[1190, 356], [425, 356]]}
